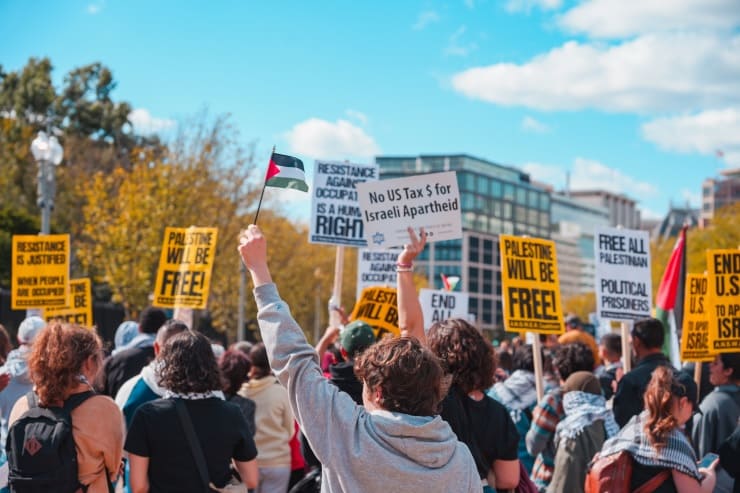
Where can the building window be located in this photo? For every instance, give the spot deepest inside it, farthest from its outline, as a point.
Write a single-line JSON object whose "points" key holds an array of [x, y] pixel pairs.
{"points": [[482, 185], [544, 202], [487, 252], [520, 214], [521, 196], [707, 191], [533, 199], [496, 189], [487, 311], [487, 281], [472, 279], [509, 192], [473, 249], [507, 210]]}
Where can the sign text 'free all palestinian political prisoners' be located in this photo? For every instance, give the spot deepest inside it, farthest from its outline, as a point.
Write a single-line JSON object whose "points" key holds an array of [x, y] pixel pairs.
{"points": [[378, 307], [376, 268], [390, 207], [695, 335], [531, 288], [80, 310], [185, 266], [723, 267], [335, 212], [623, 280], [40, 271], [438, 305]]}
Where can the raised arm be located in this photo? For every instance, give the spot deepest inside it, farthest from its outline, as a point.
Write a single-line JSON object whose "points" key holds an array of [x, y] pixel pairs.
{"points": [[410, 317]]}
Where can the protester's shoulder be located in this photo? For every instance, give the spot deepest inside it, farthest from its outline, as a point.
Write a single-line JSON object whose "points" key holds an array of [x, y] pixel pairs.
{"points": [[98, 406]]}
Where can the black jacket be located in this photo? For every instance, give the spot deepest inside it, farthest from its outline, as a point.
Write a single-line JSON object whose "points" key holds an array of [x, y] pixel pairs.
{"points": [[628, 399]]}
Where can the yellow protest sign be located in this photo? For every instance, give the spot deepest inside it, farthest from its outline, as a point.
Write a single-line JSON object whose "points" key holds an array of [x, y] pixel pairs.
{"points": [[695, 334], [185, 266], [79, 311], [724, 294], [531, 289], [377, 306], [40, 271]]}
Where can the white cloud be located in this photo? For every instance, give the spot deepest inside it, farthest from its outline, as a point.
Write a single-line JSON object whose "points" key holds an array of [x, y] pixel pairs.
{"points": [[704, 133], [588, 174], [671, 72], [625, 18], [144, 123], [357, 115], [322, 139], [693, 197], [650, 214], [533, 125], [457, 47], [528, 5], [425, 18], [95, 7]]}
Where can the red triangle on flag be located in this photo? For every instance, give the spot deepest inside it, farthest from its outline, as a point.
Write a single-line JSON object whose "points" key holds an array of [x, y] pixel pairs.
{"points": [[272, 170]]}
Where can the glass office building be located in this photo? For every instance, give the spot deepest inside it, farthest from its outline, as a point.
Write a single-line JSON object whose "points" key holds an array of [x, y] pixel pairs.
{"points": [[495, 199]]}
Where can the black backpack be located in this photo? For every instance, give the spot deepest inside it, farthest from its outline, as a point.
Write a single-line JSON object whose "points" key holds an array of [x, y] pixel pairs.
{"points": [[41, 449]]}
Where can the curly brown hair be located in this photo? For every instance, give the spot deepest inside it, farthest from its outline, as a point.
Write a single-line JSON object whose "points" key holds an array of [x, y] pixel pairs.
{"points": [[465, 353], [660, 395], [407, 375], [188, 364], [57, 357]]}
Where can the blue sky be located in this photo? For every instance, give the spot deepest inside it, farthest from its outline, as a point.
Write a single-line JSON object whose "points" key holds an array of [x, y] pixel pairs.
{"points": [[636, 96]]}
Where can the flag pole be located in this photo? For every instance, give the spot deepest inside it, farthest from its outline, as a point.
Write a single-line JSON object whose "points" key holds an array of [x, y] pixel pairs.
{"points": [[264, 185]]}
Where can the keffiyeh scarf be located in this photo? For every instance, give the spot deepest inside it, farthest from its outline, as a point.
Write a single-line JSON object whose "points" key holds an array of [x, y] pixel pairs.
{"points": [[518, 392], [677, 453], [194, 396], [582, 409]]}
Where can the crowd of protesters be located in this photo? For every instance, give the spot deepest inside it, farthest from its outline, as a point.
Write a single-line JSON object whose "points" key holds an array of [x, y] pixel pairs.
{"points": [[437, 409]]}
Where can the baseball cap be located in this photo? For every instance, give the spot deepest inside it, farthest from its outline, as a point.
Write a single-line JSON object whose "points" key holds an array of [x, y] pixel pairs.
{"points": [[356, 337], [29, 329]]}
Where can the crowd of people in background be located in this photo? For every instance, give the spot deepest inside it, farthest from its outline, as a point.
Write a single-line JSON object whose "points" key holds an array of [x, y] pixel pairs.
{"points": [[436, 409]]}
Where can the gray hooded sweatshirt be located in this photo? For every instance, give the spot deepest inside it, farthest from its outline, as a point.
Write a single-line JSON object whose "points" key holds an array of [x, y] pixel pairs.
{"points": [[371, 452], [20, 384]]}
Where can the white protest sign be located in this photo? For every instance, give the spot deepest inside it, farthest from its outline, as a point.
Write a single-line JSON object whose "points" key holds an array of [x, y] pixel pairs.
{"points": [[376, 268], [336, 218], [430, 201], [438, 305], [623, 282]]}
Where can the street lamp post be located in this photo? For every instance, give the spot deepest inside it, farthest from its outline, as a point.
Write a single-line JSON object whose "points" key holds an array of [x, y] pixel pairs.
{"points": [[48, 153]]}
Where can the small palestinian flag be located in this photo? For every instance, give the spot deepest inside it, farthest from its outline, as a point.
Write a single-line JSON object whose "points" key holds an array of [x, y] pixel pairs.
{"points": [[286, 172]]}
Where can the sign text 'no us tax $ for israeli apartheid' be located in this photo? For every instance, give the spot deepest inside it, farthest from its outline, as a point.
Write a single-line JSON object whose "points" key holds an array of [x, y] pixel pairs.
{"points": [[378, 307], [695, 334], [185, 266], [40, 271], [531, 289], [390, 207], [723, 267], [79, 311], [623, 279], [336, 217]]}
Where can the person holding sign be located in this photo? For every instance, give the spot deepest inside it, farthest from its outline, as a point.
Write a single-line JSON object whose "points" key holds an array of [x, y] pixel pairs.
{"points": [[395, 442], [479, 421]]}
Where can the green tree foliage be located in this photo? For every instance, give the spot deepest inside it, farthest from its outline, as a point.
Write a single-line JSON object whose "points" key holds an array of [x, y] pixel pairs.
{"points": [[723, 232], [13, 221]]}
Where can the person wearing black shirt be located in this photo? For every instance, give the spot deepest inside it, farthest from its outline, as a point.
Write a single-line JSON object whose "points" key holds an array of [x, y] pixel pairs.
{"points": [[647, 341]]}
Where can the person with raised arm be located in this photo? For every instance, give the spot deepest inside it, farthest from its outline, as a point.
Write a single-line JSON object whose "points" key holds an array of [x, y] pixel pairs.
{"points": [[395, 442]]}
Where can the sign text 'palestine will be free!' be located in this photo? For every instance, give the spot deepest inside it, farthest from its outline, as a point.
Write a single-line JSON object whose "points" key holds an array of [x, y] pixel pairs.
{"points": [[531, 289], [185, 266]]}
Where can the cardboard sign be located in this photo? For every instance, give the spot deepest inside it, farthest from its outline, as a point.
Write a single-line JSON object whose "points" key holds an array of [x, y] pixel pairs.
{"points": [[724, 293], [79, 311], [430, 201], [695, 336], [40, 271], [378, 307], [623, 280], [376, 268], [185, 266], [336, 218], [531, 288], [438, 305]]}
